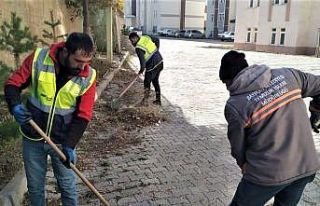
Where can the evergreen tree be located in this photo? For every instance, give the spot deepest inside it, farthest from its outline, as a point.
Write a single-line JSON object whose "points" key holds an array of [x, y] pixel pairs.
{"points": [[15, 39], [53, 34]]}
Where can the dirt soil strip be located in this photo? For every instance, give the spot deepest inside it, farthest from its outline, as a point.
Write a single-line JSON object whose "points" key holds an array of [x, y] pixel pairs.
{"points": [[107, 77]]}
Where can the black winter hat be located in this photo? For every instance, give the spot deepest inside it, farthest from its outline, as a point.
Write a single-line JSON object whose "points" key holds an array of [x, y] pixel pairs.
{"points": [[133, 34], [231, 64]]}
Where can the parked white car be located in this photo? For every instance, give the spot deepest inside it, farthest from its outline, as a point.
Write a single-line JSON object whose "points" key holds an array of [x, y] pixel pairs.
{"points": [[195, 34], [171, 32], [165, 32], [227, 36], [220, 34], [161, 32]]}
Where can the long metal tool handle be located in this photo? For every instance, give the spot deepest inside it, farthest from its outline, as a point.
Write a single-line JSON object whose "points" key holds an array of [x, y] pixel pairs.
{"points": [[73, 167], [128, 87]]}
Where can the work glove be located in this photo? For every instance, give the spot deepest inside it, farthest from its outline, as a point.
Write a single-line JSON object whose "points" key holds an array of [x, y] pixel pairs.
{"points": [[314, 108], [21, 114], [70, 155], [315, 121], [141, 71]]}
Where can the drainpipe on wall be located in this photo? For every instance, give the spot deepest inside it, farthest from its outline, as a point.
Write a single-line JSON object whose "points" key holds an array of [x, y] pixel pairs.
{"points": [[183, 14], [226, 14], [215, 28], [145, 17], [270, 11]]}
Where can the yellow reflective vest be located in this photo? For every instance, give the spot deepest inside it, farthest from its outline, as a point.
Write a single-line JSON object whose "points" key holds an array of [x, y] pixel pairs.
{"points": [[147, 45], [51, 109]]}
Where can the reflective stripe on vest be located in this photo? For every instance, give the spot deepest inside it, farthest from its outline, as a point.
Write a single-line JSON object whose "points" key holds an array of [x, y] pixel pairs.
{"points": [[146, 44], [43, 91]]}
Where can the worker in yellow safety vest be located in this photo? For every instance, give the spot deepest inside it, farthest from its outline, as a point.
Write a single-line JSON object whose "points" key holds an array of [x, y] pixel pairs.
{"points": [[62, 93], [147, 49]]}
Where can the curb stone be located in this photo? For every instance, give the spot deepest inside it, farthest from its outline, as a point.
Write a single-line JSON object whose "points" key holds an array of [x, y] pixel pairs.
{"points": [[13, 193]]}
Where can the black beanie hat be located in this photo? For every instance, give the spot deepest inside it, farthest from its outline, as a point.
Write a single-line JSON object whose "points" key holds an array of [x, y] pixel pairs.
{"points": [[133, 34], [231, 64]]}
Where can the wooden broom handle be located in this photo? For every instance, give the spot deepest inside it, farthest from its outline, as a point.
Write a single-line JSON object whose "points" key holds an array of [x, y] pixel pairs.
{"points": [[128, 87], [63, 157]]}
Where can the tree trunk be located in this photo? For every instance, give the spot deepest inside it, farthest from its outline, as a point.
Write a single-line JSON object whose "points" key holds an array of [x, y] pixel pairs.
{"points": [[86, 28], [116, 32], [109, 36]]}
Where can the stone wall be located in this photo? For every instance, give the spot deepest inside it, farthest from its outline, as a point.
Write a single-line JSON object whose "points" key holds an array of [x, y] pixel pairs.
{"points": [[33, 14]]}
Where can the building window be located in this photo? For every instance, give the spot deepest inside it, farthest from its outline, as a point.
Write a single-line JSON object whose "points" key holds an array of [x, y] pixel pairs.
{"points": [[275, 1], [255, 35], [273, 36], [250, 3], [258, 3], [221, 17], [134, 7], [249, 35], [282, 36]]}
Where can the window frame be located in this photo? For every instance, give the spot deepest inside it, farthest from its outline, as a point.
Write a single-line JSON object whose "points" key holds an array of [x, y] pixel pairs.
{"points": [[248, 37], [273, 36], [251, 3], [255, 36], [276, 2], [282, 36]]}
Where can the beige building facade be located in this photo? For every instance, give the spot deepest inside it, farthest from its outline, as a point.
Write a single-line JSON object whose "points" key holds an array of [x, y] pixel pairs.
{"points": [[195, 15], [278, 26], [33, 14], [153, 15]]}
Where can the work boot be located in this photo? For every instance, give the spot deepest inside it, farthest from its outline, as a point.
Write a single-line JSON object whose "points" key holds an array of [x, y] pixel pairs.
{"points": [[158, 99], [145, 99]]}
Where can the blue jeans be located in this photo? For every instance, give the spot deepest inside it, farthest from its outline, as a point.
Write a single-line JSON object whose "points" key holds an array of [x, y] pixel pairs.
{"points": [[249, 194], [35, 162]]}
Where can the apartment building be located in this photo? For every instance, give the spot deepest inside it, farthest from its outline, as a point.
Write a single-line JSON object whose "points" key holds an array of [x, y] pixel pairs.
{"points": [[278, 26], [153, 15], [221, 16]]}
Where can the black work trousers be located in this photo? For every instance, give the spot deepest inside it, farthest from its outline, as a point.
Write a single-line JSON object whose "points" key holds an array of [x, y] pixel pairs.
{"points": [[153, 76], [250, 194]]}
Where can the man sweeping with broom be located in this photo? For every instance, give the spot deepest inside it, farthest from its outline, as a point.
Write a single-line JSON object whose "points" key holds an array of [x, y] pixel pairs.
{"points": [[147, 49], [62, 91]]}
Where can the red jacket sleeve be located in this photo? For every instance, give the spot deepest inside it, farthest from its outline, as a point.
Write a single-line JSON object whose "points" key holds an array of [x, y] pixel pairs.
{"points": [[21, 76], [85, 109]]}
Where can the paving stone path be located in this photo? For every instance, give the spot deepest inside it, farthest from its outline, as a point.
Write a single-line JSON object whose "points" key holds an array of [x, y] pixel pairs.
{"points": [[187, 161]]}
